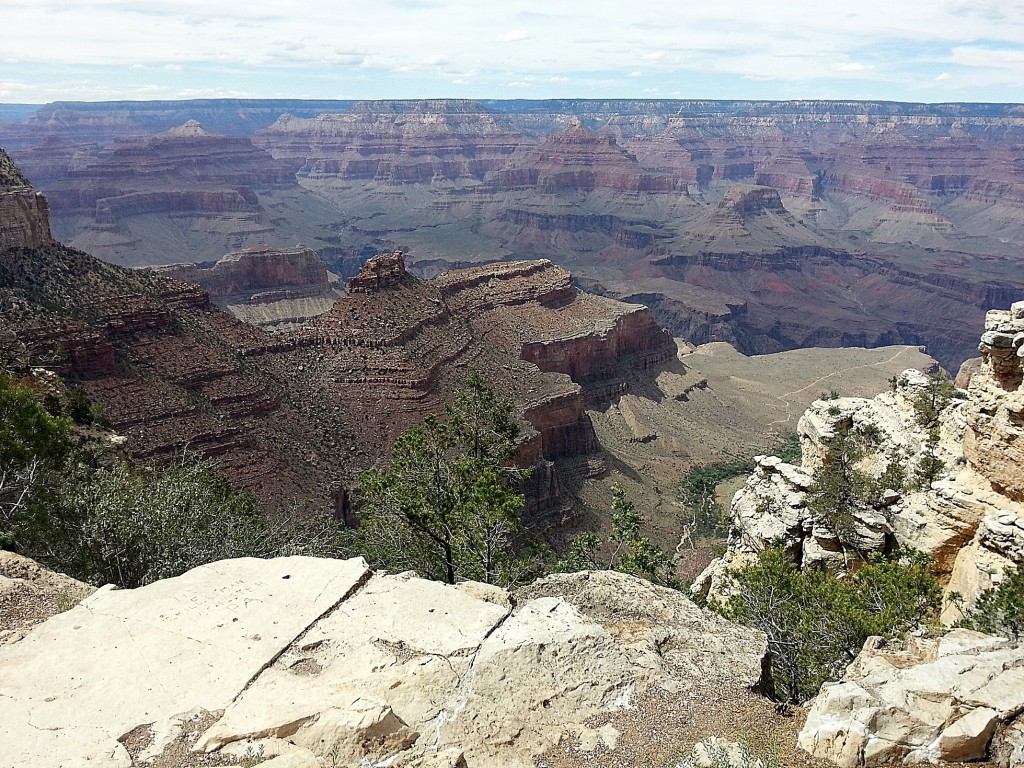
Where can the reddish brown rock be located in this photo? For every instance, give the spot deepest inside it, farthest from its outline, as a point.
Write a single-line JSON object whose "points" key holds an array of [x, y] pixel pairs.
{"points": [[394, 142], [24, 219], [579, 159], [253, 269], [380, 272]]}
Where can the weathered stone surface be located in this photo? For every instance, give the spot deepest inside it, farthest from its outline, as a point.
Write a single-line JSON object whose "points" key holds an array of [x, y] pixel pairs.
{"points": [[142, 656], [314, 657], [994, 442], [771, 508], [970, 520], [30, 594], [921, 701], [24, 219]]}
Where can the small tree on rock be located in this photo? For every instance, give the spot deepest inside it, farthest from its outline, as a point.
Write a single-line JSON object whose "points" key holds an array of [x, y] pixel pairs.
{"points": [[446, 504]]}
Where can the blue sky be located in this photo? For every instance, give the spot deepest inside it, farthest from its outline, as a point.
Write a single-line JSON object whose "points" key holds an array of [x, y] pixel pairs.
{"points": [[905, 50]]}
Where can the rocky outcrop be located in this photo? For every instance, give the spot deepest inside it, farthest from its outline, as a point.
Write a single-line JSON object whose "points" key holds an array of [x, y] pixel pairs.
{"points": [[24, 219], [30, 594], [259, 268], [994, 442], [966, 513], [305, 658], [24, 213], [954, 699], [380, 272], [274, 288]]}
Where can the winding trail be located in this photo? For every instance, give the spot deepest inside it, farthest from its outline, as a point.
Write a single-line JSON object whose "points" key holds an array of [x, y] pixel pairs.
{"points": [[785, 397]]}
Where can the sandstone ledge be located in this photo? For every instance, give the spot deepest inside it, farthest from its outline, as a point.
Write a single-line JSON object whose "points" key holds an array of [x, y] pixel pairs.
{"points": [[306, 655]]}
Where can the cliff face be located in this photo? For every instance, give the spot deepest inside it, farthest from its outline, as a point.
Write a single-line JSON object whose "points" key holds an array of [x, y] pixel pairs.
{"points": [[993, 443], [24, 213], [393, 143], [579, 159], [254, 269], [149, 200], [274, 288], [968, 514], [24, 219]]}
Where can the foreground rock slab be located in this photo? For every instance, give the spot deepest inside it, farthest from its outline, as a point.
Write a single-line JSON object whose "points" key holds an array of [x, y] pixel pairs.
{"points": [[314, 660], [79, 681]]}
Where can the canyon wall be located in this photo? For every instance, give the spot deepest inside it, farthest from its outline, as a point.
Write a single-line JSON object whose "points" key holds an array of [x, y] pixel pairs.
{"points": [[960, 499], [915, 200], [24, 219]]}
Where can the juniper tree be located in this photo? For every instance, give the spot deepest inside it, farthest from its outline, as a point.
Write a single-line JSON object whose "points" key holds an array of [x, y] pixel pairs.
{"points": [[447, 504]]}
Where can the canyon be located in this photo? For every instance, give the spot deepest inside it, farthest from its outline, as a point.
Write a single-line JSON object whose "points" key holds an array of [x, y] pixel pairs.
{"points": [[293, 414], [769, 225]]}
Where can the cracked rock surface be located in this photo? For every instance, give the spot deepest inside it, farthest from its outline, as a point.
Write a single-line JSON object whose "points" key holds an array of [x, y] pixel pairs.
{"points": [[311, 660]]}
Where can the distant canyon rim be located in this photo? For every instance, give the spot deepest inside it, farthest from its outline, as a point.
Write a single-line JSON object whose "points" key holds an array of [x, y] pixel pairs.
{"points": [[768, 225]]}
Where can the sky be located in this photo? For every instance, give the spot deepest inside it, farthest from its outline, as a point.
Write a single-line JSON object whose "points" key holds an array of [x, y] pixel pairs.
{"points": [[901, 50]]}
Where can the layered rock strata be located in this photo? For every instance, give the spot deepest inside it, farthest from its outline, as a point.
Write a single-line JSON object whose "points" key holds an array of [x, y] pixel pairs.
{"points": [[918, 203], [302, 659], [290, 416], [264, 286]]}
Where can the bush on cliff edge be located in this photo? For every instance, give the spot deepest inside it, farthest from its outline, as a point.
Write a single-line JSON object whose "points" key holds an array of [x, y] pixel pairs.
{"points": [[816, 623]]}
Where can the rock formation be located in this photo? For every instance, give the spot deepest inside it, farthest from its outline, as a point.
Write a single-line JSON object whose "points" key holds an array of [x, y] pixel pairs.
{"points": [[954, 699], [968, 516], [170, 371], [272, 288], [301, 659], [24, 213], [807, 217], [183, 191]]}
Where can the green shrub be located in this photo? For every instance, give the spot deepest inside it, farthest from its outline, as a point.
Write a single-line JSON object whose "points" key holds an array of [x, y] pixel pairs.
{"points": [[838, 488], [816, 623], [446, 503], [1000, 610], [631, 552], [934, 398], [131, 526]]}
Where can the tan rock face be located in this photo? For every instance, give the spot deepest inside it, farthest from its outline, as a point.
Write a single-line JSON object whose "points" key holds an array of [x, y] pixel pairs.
{"points": [[994, 443], [24, 219], [922, 701], [254, 269], [971, 518], [312, 658]]}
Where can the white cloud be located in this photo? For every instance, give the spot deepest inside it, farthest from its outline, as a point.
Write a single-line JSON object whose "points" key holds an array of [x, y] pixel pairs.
{"points": [[851, 66], [514, 36], [795, 41]]}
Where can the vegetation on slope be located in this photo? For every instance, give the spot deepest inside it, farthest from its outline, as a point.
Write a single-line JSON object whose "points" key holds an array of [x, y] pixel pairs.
{"points": [[66, 502], [1000, 610], [816, 622], [447, 504]]}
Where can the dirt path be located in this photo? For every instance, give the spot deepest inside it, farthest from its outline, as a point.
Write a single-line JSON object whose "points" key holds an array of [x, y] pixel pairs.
{"points": [[785, 397]]}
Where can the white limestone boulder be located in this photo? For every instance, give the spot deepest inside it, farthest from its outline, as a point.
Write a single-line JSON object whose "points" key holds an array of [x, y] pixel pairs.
{"points": [[921, 701], [306, 661]]}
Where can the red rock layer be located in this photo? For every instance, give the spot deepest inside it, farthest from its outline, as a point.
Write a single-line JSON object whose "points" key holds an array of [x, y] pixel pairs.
{"points": [[579, 159], [394, 143], [253, 269], [24, 219]]}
